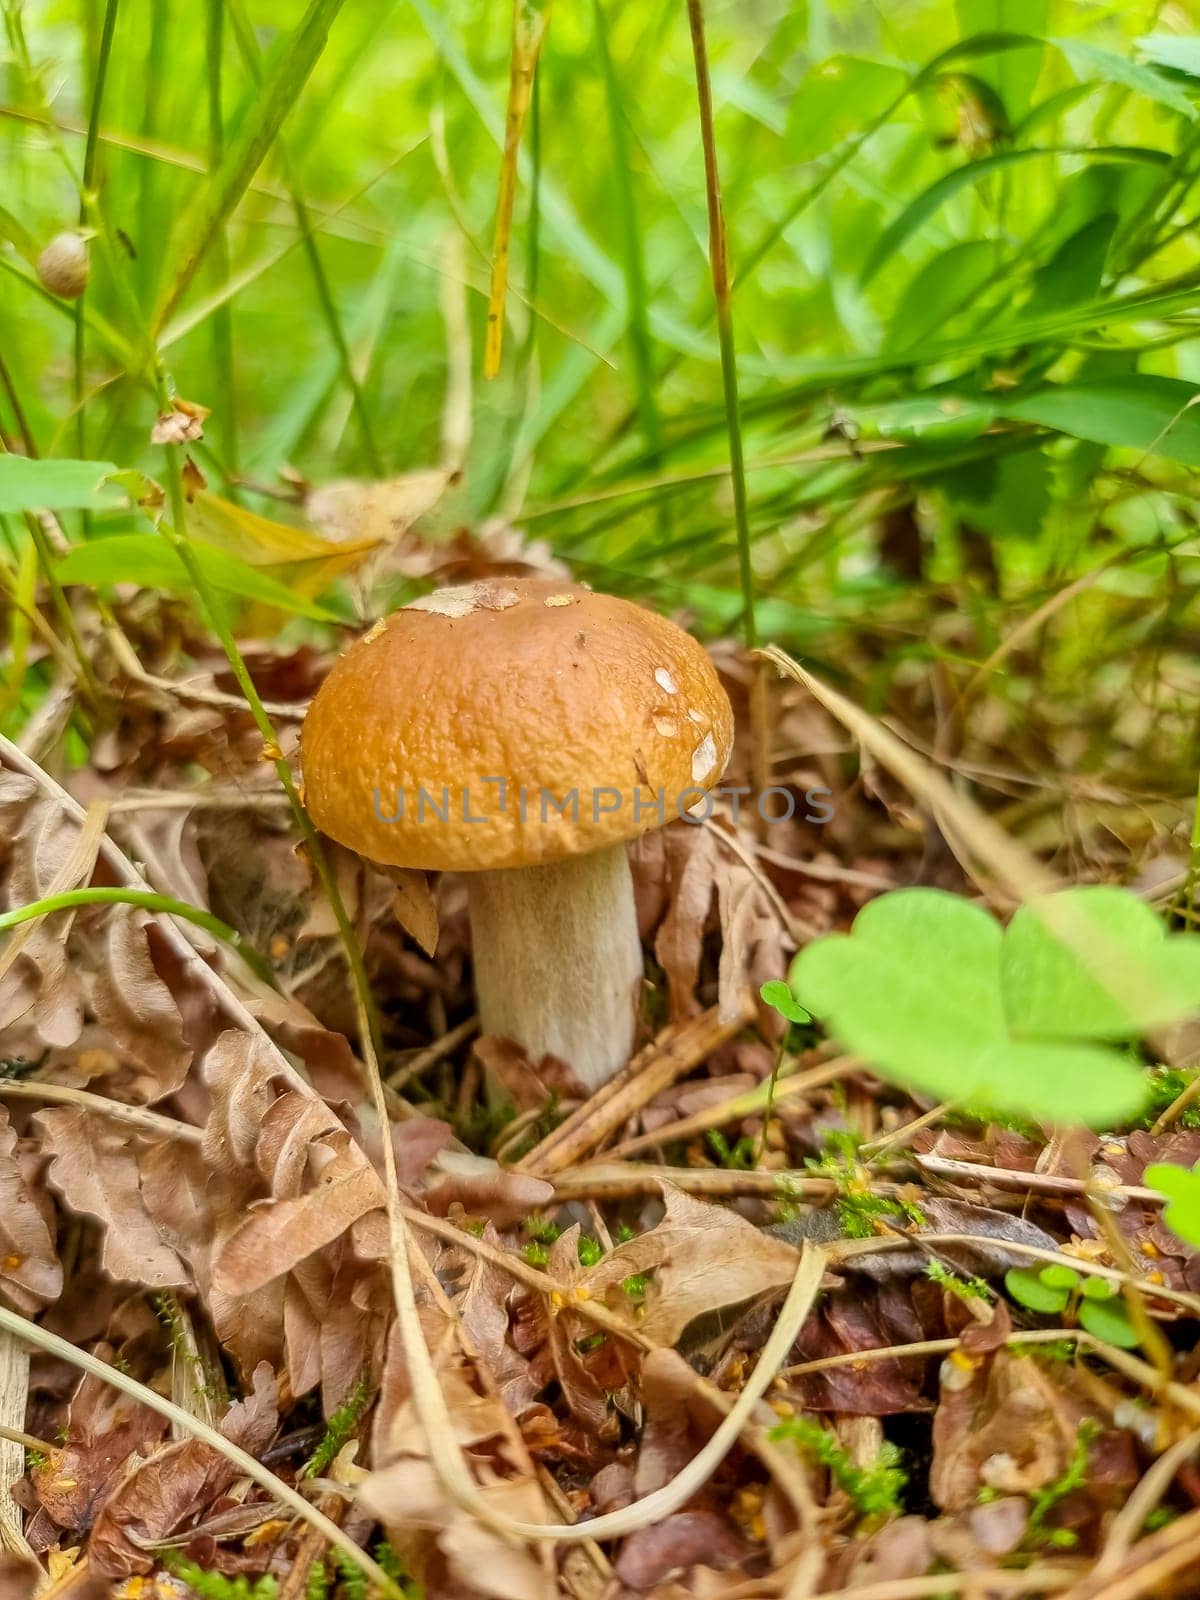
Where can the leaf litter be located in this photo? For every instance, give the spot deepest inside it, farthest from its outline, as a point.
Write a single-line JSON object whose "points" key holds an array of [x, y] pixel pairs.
{"points": [[587, 1349]]}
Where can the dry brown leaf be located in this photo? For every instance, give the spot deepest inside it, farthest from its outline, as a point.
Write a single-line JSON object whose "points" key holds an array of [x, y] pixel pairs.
{"points": [[159, 1494], [482, 1187], [687, 1539], [692, 864], [280, 1232], [702, 1256], [41, 986], [94, 1166], [581, 1389], [414, 906], [442, 1545], [104, 1429], [135, 1006], [417, 1142], [29, 1265], [286, 1181], [407, 1498], [483, 1305], [1012, 1429], [381, 513]]}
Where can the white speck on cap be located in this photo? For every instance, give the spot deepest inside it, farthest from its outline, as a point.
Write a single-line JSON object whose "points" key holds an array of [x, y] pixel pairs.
{"points": [[665, 681], [666, 726], [465, 598], [704, 758], [694, 715]]}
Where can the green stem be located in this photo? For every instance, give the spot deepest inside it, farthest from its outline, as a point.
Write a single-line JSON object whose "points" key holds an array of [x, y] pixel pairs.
{"points": [[718, 249], [1193, 869], [146, 900], [91, 146], [222, 331], [66, 616], [252, 56]]}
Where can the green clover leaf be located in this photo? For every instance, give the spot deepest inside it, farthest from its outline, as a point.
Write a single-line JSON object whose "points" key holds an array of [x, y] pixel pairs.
{"points": [[776, 994], [1181, 1185], [920, 989]]}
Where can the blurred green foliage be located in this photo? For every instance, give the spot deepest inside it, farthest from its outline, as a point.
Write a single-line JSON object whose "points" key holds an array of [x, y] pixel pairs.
{"points": [[966, 276]]}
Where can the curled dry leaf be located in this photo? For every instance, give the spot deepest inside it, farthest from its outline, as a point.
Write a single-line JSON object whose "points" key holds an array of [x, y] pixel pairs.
{"points": [[317, 1187], [287, 1184], [181, 425], [355, 510], [467, 1559], [105, 1428], [483, 1305], [414, 906], [443, 1546], [687, 1539], [38, 983], [135, 1006], [416, 1143], [160, 1494], [482, 1187], [702, 1256], [94, 1166], [29, 1266], [691, 865], [1013, 1429]]}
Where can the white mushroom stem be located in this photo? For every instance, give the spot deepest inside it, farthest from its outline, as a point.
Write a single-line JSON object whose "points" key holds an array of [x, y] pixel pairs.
{"points": [[558, 960]]}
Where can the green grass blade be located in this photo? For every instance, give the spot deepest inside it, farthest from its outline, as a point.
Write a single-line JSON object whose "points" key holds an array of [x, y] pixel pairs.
{"points": [[631, 240], [216, 200]]}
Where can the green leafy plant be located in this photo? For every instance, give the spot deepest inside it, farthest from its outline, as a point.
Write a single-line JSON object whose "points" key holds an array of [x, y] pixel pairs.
{"points": [[1056, 1290], [340, 1428], [1165, 1085], [777, 994], [933, 993], [860, 1210], [963, 1288], [1181, 1185], [589, 1250], [207, 1585], [876, 1490], [1045, 1501], [738, 1157], [351, 1581], [396, 1570]]}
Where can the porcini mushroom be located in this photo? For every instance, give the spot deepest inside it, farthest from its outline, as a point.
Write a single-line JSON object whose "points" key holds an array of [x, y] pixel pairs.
{"points": [[521, 731]]}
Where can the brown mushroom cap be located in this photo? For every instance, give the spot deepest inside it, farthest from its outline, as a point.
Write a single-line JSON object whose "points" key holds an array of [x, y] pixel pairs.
{"points": [[546, 685]]}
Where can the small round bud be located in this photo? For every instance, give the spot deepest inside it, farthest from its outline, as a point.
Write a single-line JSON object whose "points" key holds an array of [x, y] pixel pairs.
{"points": [[64, 266]]}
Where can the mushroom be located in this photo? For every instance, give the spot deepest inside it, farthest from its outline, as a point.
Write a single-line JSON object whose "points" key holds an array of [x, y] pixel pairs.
{"points": [[521, 731]]}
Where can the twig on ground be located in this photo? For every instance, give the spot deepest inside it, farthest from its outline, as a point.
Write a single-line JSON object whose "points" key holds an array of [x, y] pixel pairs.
{"points": [[671, 1056]]}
